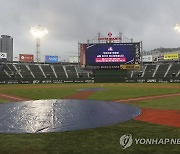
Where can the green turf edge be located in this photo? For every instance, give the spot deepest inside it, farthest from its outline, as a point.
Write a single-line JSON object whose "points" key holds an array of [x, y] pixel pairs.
{"points": [[98, 140], [171, 103], [3, 101]]}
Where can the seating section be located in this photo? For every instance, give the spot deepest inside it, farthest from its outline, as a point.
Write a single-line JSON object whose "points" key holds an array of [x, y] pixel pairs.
{"points": [[59, 71], [48, 71], [14, 73], [129, 74], [36, 71], [175, 68], [137, 74], [83, 75], [71, 71], [7, 70], [161, 71], [3, 75], [149, 71], [24, 71]]}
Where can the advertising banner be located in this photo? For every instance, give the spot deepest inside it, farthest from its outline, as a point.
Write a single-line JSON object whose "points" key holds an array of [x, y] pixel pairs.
{"points": [[130, 66], [3, 55], [73, 59], [26, 58], [148, 58], [51, 59], [171, 56]]}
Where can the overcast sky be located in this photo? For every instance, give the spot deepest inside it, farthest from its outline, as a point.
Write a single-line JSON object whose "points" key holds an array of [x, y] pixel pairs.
{"points": [[73, 21]]}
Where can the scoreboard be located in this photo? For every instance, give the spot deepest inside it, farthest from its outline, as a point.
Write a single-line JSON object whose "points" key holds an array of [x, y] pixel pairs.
{"points": [[113, 54]]}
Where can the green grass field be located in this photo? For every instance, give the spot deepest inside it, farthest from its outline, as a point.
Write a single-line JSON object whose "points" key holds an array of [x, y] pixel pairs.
{"points": [[97, 140], [3, 100]]}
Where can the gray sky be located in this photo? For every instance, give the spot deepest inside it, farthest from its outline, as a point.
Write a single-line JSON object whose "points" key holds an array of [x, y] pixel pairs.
{"points": [[70, 22]]}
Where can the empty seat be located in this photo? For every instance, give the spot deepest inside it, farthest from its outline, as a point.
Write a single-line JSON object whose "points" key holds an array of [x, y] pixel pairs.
{"points": [[48, 71], [36, 71], [59, 71]]}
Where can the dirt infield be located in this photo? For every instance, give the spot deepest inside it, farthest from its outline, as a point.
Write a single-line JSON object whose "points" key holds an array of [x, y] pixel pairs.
{"points": [[159, 116], [13, 98], [156, 116], [81, 95]]}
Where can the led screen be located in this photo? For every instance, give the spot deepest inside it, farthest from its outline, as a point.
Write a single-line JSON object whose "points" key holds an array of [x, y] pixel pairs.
{"points": [[110, 54], [51, 59]]}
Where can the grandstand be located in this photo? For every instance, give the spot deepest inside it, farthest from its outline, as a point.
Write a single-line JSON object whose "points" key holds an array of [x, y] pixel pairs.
{"points": [[161, 71], [52, 73], [37, 71], [156, 73], [173, 71], [60, 71], [71, 72], [48, 71], [24, 71], [149, 71], [20, 72], [13, 71]]}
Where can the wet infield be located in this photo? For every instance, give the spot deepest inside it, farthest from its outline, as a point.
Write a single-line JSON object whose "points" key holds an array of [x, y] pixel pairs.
{"points": [[62, 115]]}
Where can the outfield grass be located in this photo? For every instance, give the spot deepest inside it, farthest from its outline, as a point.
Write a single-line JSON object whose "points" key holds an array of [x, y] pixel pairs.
{"points": [[98, 140], [172, 103], [41, 93], [3, 100], [114, 93], [111, 91]]}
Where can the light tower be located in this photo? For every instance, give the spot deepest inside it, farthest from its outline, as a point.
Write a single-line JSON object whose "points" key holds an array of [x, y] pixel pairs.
{"points": [[38, 32]]}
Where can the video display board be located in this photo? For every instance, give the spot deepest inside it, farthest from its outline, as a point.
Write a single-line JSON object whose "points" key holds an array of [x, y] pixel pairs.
{"points": [[112, 54], [51, 59]]}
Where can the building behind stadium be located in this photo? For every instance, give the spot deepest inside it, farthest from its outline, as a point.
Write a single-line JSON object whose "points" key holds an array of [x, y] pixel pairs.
{"points": [[6, 46]]}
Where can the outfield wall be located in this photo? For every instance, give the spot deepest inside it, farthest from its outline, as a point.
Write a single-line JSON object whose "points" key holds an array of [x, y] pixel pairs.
{"points": [[45, 81], [109, 76], [162, 80], [88, 80]]}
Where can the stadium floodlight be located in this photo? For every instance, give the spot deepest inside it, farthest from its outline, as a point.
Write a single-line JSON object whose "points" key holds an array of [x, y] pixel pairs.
{"points": [[177, 27], [38, 32]]}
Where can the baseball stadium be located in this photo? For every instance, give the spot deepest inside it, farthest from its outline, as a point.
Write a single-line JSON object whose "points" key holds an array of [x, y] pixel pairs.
{"points": [[111, 101]]}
